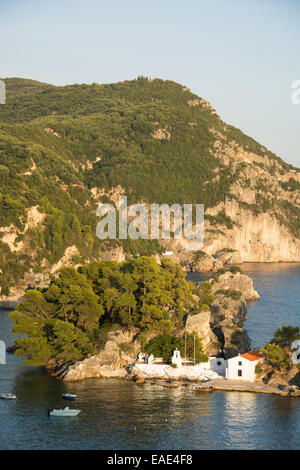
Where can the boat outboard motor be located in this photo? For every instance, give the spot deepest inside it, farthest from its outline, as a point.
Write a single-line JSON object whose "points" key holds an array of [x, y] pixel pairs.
{"points": [[49, 412]]}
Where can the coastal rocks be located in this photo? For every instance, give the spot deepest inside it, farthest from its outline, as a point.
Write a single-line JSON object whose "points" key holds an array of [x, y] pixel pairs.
{"points": [[124, 342], [233, 311], [200, 323], [200, 261], [109, 362], [138, 379], [227, 319], [234, 340], [279, 377], [9, 302], [11, 349], [236, 282], [114, 254], [229, 311], [31, 280], [221, 328], [228, 257], [91, 367]]}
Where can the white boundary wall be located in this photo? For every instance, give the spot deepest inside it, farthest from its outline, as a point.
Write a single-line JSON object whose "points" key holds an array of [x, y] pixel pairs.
{"points": [[199, 372]]}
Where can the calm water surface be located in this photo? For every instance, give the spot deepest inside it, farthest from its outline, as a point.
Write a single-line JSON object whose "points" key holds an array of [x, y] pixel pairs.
{"points": [[279, 287], [112, 408]]}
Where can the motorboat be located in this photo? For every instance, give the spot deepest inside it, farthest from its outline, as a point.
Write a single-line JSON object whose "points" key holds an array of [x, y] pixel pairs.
{"points": [[66, 412], [69, 396], [8, 396]]}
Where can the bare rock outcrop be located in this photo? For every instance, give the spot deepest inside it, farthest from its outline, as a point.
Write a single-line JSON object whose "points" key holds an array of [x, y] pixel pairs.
{"points": [[111, 361], [202, 262], [91, 367], [228, 257], [279, 377], [236, 282], [221, 328], [31, 280], [201, 324]]}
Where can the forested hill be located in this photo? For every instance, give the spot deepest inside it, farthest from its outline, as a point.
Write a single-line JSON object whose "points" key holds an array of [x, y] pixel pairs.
{"points": [[64, 149]]}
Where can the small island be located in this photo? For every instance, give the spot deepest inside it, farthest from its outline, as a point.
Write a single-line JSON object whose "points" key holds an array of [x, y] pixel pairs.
{"points": [[127, 319]]}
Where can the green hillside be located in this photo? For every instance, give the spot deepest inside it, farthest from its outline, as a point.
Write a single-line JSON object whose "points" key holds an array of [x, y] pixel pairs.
{"points": [[154, 138]]}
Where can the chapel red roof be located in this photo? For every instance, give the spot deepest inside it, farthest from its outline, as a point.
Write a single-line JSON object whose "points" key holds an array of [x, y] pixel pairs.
{"points": [[252, 356]]}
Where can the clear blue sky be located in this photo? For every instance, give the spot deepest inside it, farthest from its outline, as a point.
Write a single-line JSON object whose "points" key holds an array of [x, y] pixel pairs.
{"points": [[242, 56]]}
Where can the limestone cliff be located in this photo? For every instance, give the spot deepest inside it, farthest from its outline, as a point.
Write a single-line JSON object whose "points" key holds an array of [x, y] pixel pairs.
{"points": [[221, 328], [257, 238]]}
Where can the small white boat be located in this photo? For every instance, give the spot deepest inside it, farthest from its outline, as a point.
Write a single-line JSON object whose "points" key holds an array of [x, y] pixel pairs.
{"points": [[8, 396], [69, 396], [66, 412]]}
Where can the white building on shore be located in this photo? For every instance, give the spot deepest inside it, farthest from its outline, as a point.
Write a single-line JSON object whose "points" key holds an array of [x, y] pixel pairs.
{"points": [[242, 367]]}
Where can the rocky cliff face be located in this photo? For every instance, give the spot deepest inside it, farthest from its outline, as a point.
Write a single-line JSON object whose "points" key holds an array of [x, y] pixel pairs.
{"points": [[282, 377], [235, 281], [201, 323], [257, 238], [221, 328], [111, 361]]}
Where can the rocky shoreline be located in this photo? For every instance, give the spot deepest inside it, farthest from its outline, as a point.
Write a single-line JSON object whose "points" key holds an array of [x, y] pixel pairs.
{"points": [[173, 380]]}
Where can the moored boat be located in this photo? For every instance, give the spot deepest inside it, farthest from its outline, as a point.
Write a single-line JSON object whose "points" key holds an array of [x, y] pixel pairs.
{"points": [[66, 412], [203, 389], [171, 385], [8, 396], [69, 396]]}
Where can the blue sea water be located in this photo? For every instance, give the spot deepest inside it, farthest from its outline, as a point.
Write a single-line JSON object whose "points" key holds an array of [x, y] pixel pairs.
{"points": [[279, 287], [112, 408]]}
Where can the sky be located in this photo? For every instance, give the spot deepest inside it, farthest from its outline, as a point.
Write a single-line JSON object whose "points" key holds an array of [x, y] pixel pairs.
{"points": [[240, 55]]}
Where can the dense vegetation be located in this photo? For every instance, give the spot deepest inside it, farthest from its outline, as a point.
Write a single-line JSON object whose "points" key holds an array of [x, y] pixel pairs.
{"points": [[278, 352], [70, 318], [57, 143], [190, 347]]}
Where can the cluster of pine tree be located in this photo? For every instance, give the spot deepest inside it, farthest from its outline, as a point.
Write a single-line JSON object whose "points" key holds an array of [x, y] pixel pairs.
{"points": [[68, 320]]}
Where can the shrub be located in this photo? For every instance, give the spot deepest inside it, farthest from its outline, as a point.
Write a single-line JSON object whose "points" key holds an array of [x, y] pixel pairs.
{"points": [[199, 255], [127, 348], [164, 345], [275, 355], [285, 335], [233, 294]]}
